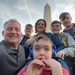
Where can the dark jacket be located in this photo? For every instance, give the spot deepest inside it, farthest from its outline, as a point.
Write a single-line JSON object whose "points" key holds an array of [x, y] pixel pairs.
{"points": [[11, 61], [56, 41]]}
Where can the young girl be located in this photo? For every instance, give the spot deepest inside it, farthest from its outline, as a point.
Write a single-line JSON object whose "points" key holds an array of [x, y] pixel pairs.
{"points": [[43, 64]]}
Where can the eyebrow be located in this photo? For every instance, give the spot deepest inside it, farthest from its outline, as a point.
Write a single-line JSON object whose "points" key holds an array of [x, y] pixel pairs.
{"points": [[44, 45]]}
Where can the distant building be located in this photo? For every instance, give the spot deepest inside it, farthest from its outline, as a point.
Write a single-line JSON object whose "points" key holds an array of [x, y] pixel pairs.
{"points": [[47, 16]]}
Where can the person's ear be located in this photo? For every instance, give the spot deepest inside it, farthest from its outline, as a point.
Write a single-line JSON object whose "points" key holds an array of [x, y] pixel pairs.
{"points": [[32, 30], [3, 33], [24, 30], [60, 28], [71, 18]]}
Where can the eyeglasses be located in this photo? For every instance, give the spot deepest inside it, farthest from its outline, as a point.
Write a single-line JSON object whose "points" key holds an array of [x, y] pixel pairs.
{"points": [[55, 26], [28, 28]]}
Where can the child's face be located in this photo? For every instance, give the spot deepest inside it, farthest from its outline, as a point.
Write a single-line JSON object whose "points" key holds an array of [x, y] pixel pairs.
{"points": [[42, 49], [56, 28]]}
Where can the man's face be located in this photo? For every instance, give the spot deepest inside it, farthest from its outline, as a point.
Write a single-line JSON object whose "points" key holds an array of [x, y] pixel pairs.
{"points": [[66, 21], [56, 28], [12, 33], [42, 50], [28, 31]]}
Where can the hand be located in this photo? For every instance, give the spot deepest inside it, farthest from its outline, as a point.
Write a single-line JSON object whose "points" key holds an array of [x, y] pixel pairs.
{"points": [[60, 54], [35, 67], [49, 63], [54, 65], [29, 41]]}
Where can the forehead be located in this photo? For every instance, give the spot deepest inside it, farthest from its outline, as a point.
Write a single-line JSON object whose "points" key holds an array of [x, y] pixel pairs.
{"points": [[65, 16], [42, 42], [12, 24], [41, 21], [56, 24], [28, 27]]}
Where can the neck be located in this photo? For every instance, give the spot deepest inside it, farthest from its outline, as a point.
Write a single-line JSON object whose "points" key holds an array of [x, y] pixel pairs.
{"points": [[57, 34], [40, 33], [28, 35], [12, 46], [69, 27]]}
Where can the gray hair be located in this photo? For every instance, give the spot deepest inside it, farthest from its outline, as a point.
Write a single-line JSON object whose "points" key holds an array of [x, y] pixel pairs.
{"points": [[11, 20]]}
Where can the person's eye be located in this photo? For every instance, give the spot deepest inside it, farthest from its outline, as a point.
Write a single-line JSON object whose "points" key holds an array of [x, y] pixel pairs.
{"points": [[38, 24], [47, 49], [43, 24], [17, 29], [67, 17], [9, 29], [53, 26], [37, 49]]}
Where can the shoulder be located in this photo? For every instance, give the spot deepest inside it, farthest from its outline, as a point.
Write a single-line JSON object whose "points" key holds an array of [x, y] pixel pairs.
{"points": [[65, 72], [48, 33], [22, 71], [3, 45], [63, 34], [73, 27], [73, 24], [20, 47], [29, 62]]}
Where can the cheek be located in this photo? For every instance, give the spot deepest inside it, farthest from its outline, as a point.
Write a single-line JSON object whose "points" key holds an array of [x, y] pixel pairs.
{"points": [[35, 54], [48, 55]]}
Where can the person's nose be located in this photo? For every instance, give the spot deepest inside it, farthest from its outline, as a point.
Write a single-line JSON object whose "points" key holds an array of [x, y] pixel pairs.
{"points": [[42, 52], [13, 31]]}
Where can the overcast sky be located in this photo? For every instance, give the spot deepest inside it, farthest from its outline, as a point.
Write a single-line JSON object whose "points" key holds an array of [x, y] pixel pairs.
{"points": [[28, 11]]}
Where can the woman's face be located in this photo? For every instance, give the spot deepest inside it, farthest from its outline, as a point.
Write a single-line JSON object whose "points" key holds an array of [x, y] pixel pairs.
{"points": [[41, 27]]}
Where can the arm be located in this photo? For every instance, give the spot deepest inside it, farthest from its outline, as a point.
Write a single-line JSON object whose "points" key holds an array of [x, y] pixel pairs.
{"points": [[30, 40], [35, 67], [55, 66], [70, 51], [56, 41]]}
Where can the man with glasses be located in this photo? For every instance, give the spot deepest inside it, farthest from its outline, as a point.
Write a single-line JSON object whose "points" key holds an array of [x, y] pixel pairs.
{"points": [[28, 32]]}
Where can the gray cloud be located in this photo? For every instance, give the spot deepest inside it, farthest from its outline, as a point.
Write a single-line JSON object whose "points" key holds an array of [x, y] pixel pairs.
{"points": [[28, 11]]}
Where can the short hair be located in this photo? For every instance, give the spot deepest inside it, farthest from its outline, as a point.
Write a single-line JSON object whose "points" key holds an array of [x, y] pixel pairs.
{"points": [[63, 15], [37, 22], [28, 25], [55, 22], [11, 20], [44, 37]]}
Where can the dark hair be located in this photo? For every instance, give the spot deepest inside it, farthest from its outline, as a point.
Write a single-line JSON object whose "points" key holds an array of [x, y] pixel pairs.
{"points": [[28, 25], [37, 22], [63, 15], [39, 37], [55, 22]]}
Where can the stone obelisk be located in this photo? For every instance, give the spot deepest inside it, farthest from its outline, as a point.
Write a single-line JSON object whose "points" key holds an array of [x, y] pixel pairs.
{"points": [[47, 16]]}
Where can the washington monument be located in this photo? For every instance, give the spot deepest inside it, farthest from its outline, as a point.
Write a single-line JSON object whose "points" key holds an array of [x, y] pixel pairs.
{"points": [[47, 16]]}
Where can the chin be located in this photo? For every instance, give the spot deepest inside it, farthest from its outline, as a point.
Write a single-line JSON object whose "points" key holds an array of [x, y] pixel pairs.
{"points": [[13, 41]]}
